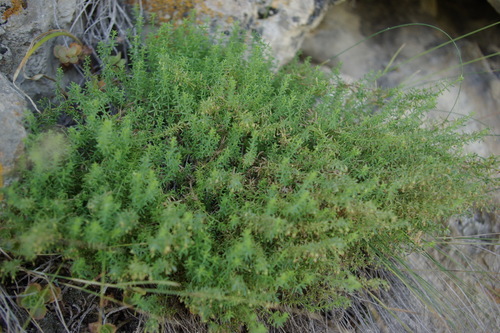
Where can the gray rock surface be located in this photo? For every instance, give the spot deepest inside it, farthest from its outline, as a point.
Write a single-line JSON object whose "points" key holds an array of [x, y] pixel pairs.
{"points": [[479, 93], [282, 23], [18, 31], [286, 30], [12, 132], [495, 4]]}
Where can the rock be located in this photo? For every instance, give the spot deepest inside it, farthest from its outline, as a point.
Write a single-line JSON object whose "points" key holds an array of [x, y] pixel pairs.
{"points": [[286, 28], [12, 132], [20, 23], [495, 4], [482, 225], [282, 23], [20, 28], [346, 25]]}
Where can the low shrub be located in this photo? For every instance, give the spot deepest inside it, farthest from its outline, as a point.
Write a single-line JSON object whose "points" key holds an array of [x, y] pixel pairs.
{"points": [[208, 176]]}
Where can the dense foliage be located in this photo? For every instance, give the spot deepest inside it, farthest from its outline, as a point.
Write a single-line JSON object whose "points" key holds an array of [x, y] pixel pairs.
{"points": [[250, 188]]}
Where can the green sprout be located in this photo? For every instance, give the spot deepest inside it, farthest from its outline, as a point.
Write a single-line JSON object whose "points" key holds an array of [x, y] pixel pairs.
{"points": [[68, 55], [35, 298], [117, 61], [99, 328]]}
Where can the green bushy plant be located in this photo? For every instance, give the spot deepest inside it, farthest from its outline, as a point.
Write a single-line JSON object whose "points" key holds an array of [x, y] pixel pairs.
{"points": [[251, 189]]}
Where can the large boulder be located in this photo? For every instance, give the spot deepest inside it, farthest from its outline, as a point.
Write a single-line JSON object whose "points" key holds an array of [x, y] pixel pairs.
{"points": [[406, 47], [282, 23]]}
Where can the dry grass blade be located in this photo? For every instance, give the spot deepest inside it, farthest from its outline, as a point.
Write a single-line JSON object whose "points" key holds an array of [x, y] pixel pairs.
{"points": [[36, 44], [1, 180], [10, 313]]}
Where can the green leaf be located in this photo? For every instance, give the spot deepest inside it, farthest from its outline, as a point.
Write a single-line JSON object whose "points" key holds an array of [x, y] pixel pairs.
{"points": [[107, 328]]}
